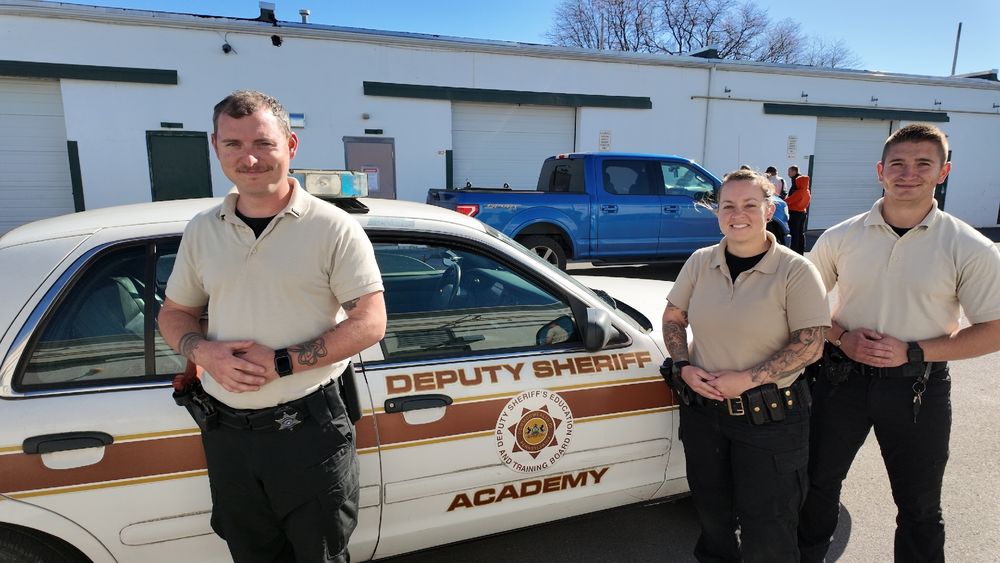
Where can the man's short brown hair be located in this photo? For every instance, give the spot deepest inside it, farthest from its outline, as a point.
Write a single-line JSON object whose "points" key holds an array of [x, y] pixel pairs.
{"points": [[916, 133], [247, 102]]}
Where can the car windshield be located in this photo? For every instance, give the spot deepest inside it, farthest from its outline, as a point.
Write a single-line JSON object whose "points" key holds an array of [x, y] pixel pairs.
{"points": [[543, 263]]}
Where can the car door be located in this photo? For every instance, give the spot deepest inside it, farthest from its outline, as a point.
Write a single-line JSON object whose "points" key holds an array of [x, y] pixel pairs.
{"points": [[625, 208], [689, 221], [490, 413], [94, 434]]}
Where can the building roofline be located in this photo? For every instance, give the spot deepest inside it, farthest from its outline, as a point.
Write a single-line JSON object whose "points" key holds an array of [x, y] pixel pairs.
{"points": [[100, 14]]}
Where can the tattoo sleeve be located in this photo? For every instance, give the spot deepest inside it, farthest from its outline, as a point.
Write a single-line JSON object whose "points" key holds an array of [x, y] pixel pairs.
{"points": [[308, 353], [189, 343], [350, 304], [798, 353], [675, 332]]}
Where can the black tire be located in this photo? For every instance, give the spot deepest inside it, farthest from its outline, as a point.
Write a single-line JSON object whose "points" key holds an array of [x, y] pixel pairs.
{"points": [[22, 545], [546, 247]]}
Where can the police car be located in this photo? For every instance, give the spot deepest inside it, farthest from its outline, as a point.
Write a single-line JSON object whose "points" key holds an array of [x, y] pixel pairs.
{"points": [[504, 394]]}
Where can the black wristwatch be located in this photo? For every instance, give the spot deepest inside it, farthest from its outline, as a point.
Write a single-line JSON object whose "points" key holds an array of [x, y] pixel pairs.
{"points": [[914, 353], [282, 362], [679, 365]]}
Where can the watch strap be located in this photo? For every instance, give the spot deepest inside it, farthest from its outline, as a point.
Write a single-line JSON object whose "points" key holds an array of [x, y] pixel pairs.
{"points": [[681, 364], [914, 353]]}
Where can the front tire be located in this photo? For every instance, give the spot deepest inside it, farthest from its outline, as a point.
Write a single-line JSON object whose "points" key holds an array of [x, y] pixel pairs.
{"points": [[547, 248], [22, 545]]}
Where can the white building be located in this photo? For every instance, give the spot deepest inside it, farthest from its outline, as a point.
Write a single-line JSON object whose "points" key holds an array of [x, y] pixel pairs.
{"points": [[105, 106]]}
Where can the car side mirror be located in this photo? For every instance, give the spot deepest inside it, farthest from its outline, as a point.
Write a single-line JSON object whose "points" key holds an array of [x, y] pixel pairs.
{"points": [[556, 332], [597, 330]]}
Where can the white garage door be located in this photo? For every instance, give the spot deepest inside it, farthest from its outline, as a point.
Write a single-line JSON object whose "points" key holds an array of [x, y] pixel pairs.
{"points": [[34, 165], [494, 144], [844, 179]]}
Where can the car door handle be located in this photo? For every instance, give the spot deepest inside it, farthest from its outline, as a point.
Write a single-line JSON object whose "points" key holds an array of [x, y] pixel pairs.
{"points": [[65, 441], [671, 209], [609, 208], [416, 402]]}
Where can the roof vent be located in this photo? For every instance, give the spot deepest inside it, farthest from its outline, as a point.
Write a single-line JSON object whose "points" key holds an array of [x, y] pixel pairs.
{"points": [[304, 12], [267, 13], [706, 52]]}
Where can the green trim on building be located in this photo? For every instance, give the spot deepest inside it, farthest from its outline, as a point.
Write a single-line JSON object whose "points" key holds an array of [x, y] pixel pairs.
{"points": [[865, 113], [75, 177], [504, 96], [449, 169], [27, 69]]}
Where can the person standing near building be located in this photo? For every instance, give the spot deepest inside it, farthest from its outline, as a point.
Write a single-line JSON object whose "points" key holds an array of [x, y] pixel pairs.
{"points": [[758, 313], [902, 270], [293, 292], [798, 199], [777, 181]]}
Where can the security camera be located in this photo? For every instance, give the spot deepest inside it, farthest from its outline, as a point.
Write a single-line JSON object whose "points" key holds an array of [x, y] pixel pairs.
{"points": [[227, 48]]}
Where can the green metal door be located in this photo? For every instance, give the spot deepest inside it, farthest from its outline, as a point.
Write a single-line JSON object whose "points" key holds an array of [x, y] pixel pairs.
{"points": [[178, 164]]}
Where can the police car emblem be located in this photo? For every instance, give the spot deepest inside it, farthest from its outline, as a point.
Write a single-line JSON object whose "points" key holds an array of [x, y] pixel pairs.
{"points": [[288, 420], [533, 431]]}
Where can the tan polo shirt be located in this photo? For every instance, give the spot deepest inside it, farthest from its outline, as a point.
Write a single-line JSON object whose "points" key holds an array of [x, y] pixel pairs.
{"points": [[281, 289], [739, 325], [909, 287]]}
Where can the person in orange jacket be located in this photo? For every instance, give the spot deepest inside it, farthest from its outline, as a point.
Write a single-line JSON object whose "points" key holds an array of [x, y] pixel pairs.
{"points": [[798, 199]]}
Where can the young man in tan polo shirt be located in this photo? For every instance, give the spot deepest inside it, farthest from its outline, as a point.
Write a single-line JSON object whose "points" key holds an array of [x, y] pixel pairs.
{"points": [[902, 271], [293, 292]]}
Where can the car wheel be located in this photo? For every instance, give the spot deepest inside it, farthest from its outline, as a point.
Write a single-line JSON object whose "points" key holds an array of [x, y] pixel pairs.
{"points": [[22, 544], [546, 247]]}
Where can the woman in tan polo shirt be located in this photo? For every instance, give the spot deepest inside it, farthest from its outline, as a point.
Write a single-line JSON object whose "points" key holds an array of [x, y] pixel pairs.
{"points": [[758, 313]]}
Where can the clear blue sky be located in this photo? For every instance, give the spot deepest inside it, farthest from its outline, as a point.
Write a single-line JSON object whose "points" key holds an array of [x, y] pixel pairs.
{"points": [[905, 36]]}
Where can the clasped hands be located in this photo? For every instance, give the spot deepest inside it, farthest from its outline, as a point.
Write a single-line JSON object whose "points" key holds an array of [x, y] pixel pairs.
{"points": [[237, 365], [719, 385]]}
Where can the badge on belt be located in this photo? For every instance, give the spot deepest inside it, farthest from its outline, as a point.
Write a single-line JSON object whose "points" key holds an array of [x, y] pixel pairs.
{"points": [[288, 419]]}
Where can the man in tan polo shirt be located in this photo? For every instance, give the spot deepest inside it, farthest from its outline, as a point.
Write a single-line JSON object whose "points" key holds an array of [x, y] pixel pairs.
{"points": [[293, 292], [902, 270]]}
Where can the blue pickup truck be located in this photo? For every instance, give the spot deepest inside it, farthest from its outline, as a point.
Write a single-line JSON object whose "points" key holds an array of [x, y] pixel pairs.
{"points": [[606, 208]]}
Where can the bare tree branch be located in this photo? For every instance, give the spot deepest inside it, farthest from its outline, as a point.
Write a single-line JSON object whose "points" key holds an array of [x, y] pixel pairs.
{"points": [[740, 31]]}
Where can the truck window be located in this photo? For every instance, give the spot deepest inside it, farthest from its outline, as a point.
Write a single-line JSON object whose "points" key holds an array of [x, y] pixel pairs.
{"points": [[562, 176], [628, 177], [680, 179]]}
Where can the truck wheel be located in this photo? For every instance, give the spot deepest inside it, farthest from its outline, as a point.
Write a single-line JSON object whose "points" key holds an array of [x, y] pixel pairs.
{"points": [[546, 247], [22, 545]]}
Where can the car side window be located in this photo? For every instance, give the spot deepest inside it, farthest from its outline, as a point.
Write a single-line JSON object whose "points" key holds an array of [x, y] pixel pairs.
{"points": [[444, 301], [627, 177], [680, 179], [97, 332]]}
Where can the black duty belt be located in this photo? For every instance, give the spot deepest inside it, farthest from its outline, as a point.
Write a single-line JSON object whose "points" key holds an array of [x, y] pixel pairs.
{"points": [[906, 370], [285, 416], [792, 397]]}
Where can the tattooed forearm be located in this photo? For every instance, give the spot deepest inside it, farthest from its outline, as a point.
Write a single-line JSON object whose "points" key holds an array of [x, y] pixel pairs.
{"points": [[308, 353], [675, 322], [802, 349], [188, 344], [350, 304]]}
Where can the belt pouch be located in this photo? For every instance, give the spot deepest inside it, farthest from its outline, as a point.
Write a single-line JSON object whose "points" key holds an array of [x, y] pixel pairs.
{"points": [[754, 406], [772, 400], [801, 392]]}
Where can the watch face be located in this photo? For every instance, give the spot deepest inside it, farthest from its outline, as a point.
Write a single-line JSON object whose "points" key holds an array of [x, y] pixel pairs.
{"points": [[915, 353]]}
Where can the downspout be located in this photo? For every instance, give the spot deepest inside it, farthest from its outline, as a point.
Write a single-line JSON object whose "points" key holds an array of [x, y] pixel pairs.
{"points": [[708, 104]]}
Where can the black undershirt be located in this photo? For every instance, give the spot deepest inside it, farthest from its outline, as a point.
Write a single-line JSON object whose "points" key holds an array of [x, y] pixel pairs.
{"points": [[256, 224], [738, 265], [899, 230]]}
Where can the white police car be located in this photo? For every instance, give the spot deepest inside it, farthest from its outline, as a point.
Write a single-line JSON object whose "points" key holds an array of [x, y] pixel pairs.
{"points": [[504, 394]]}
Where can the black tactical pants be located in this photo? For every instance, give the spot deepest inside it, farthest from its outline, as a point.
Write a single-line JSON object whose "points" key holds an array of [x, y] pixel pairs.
{"points": [[797, 226], [286, 495], [747, 478], [915, 456]]}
